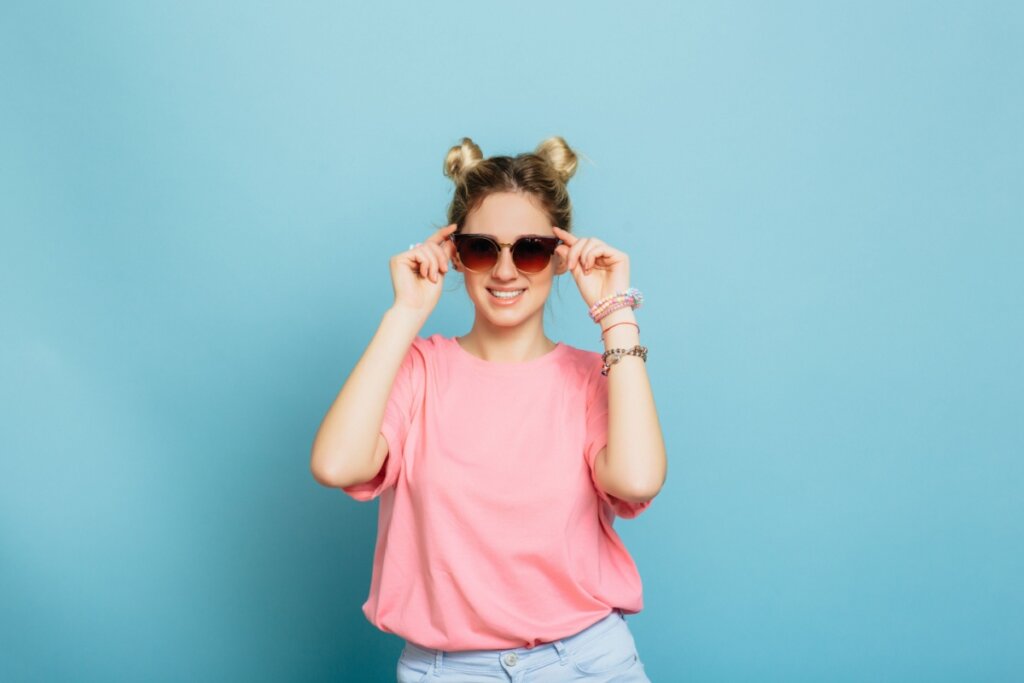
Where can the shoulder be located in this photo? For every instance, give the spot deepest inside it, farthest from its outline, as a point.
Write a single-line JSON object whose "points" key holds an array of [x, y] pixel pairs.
{"points": [[422, 353], [429, 349], [580, 356], [583, 364], [435, 343]]}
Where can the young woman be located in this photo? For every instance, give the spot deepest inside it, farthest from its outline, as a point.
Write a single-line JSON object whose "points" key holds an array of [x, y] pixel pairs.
{"points": [[500, 456]]}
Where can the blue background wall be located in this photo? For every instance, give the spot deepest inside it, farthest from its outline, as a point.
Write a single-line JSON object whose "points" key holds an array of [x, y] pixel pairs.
{"points": [[821, 202]]}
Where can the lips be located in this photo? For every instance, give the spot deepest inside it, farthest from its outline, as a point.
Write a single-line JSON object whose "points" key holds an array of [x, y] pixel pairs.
{"points": [[505, 298]]}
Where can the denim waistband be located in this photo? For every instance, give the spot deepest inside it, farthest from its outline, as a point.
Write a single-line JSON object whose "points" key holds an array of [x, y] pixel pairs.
{"points": [[526, 658]]}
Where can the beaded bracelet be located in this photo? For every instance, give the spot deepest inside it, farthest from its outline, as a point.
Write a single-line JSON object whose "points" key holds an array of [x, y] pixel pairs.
{"points": [[612, 306], [617, 354], [631, 297]]}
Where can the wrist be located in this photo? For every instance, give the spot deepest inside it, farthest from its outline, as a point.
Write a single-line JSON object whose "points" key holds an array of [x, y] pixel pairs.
{"points": [[620, 335], [631, 297], [408, 319]]}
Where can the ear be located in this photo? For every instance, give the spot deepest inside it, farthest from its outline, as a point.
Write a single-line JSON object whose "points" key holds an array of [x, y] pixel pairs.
{"points": [[453, 256], [560, 260]]}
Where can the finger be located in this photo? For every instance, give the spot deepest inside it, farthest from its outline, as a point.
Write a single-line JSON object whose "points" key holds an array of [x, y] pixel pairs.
{"points": [[423, 260], [431, 266], [422, 264], [440, 255], [428, 261], [438, 266], [589, 255], [443, 233], [565, 236], [585, 256], [610, 255], [576, 250], [440, 241], [413, 259], [602, 257]]}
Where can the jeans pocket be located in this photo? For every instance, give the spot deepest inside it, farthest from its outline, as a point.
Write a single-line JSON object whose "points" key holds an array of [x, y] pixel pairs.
{"points": [[412, 669], [614, 651]]}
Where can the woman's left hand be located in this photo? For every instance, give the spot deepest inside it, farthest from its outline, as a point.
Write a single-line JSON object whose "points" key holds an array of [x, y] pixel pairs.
{"points": [[599, 269]]}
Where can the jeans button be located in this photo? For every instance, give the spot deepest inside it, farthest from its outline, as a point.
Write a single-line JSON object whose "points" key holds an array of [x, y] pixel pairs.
{"points": [[511, 658]]}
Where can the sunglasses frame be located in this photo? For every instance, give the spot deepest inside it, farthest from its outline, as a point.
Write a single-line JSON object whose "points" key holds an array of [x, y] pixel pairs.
{"points": [[501, 245]]}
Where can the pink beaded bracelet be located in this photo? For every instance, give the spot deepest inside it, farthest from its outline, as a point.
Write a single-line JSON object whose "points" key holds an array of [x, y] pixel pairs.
{"points": [[631, 297]]}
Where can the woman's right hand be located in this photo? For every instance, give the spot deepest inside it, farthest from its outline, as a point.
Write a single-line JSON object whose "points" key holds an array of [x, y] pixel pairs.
{"points": [[417, 274]]}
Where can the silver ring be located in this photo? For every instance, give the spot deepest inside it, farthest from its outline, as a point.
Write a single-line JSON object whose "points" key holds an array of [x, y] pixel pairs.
{"points": [[414, 245]]}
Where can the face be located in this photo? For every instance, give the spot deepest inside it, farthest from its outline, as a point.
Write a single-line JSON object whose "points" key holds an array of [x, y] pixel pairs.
{"points": [[506, 216]]}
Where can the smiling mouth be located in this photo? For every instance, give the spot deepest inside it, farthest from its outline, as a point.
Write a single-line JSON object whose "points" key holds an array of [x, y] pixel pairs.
{"points": [[506, 295]]}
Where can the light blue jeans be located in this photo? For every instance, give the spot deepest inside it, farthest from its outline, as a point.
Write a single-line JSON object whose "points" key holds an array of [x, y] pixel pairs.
{"points": [[604, 651]]}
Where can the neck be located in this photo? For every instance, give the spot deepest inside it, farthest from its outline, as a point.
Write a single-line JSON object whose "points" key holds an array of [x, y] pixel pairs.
{"points": [[507, 344]]}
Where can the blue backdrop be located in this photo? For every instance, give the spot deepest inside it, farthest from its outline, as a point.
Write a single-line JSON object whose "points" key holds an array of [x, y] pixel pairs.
{"points": [[821, 203]]}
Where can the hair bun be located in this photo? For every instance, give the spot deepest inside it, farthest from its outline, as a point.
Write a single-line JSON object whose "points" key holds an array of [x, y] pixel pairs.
{"points": [[556, 151], [461, 158]]}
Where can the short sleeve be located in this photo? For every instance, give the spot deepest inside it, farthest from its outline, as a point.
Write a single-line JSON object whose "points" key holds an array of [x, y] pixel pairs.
{"points": [[597, 438], [406, 393]]}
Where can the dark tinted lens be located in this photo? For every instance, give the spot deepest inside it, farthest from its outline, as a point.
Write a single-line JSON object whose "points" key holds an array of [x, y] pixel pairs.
{"points": [[477, 253], [532, 255]]}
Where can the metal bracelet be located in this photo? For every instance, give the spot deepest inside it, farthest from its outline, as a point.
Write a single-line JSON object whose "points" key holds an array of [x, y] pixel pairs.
{"points": [[617, 354]]}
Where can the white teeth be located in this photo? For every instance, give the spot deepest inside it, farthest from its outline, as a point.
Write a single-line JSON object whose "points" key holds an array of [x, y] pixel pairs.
{"points": [[507, 295]]}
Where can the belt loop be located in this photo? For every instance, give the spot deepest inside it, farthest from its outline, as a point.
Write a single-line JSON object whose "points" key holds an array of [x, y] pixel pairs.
{"points": [[438, 659], [560, 647]]}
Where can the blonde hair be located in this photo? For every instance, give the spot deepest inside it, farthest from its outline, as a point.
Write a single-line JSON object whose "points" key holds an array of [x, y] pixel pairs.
{"points": [[542, 174]]}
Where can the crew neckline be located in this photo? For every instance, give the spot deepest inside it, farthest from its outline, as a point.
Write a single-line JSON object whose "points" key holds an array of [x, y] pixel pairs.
{"points": [[511, 366]]}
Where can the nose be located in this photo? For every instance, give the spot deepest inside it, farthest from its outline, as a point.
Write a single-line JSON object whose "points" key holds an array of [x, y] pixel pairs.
{"points": [[505, 268]]}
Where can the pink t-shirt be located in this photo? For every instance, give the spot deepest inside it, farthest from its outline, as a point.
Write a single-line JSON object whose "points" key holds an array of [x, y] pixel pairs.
{"points": [[492, 531]]}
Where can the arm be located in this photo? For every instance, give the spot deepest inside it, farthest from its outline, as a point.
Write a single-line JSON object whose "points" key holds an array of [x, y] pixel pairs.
{"points": [[633, 465], [348, 448]]}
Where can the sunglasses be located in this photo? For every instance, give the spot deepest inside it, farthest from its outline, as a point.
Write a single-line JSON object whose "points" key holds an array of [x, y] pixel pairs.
{"points": [[479, 253]]}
